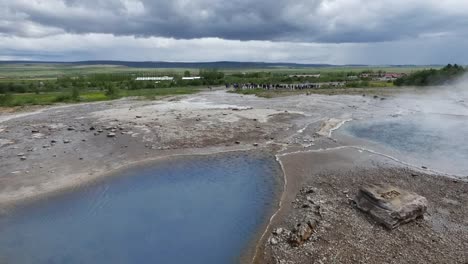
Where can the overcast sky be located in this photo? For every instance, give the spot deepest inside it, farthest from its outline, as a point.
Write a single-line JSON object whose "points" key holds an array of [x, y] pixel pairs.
{"points": [[303, 31]]}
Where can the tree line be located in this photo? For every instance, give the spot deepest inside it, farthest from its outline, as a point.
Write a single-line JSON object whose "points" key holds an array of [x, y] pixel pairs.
{"points": [[428, 77]]}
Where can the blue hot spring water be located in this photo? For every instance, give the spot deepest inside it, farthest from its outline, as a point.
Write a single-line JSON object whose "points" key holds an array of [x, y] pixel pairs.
{"points": [[437, 141], [202, 209]]}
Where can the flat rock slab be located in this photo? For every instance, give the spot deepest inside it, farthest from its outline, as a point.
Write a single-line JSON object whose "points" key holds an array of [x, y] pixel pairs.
{"points": [[390, 206]]}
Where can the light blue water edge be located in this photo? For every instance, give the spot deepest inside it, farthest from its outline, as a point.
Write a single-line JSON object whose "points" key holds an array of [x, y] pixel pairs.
{"points": [[197, 209], [437, 141]]}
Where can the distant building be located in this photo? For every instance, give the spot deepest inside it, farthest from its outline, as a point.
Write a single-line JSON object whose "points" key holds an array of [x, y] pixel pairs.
{"points": [[191, 78], [163, 78], [391, 76], [304, 75]]}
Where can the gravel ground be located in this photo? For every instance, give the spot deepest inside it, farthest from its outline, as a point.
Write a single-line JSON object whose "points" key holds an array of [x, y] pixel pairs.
{"points": [[46, 150], [346, 235]]}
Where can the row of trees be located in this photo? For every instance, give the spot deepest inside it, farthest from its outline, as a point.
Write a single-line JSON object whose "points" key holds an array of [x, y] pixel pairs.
{"points": [[126, 81], [442, 76]]}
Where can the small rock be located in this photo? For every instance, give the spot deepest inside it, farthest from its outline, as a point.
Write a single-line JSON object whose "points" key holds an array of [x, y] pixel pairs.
{"points": [[111, 134], [237, 142], [23, 158], [308, 190], [302, 232], [424, 167], [278, 231], [20, 154], [138, 116], [255, 144], [273, 241], [70, 128], [92, 128], [53, 141], [66, 141]]}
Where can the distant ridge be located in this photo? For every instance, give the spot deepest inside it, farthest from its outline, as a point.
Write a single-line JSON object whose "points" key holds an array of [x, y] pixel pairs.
{"points": [[164, 64], [206, 65]]}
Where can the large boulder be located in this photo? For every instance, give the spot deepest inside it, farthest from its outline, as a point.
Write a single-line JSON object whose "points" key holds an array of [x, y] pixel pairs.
{"points": [[390, 206]]}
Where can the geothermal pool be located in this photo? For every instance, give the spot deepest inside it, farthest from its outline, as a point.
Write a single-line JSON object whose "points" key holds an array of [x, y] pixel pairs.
{"points": [[436, 141], [202, 209]]}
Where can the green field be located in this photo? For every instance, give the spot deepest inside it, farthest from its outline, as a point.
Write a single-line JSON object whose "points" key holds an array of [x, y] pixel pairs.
{"points": [[51, 71], [49, 98], [42, 84], [48, 71]]}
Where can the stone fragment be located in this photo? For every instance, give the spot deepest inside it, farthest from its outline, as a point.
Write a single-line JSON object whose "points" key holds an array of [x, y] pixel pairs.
{"points": [[302, 232], [38, 136], [278, 231], [111, 134], [390, 206], [273, 241]]}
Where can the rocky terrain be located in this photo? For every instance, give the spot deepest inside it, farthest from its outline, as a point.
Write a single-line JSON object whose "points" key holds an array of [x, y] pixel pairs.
{"points": [[53, 149], [324, 225]]}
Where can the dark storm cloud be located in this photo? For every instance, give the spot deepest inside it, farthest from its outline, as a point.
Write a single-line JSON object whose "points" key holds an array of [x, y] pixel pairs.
{"points": [[333, 21]]}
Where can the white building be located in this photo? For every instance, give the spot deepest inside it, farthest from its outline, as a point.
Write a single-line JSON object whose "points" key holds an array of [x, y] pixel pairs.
{"points": [[305, 75], [163, 78], [191, 78]]}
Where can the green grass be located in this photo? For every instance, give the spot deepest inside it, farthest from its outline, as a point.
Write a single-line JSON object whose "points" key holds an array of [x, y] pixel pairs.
{"points": [[27, 75], [383, 91], [48, 71], [381, 84], [88, 96]]}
